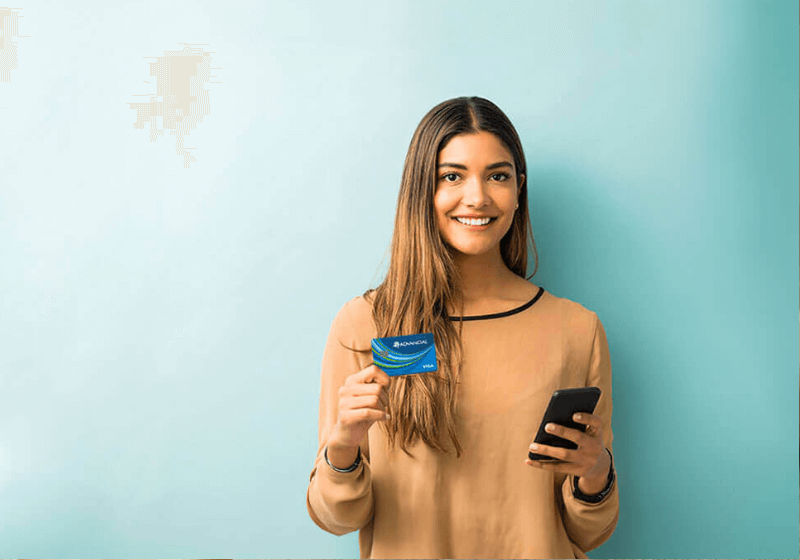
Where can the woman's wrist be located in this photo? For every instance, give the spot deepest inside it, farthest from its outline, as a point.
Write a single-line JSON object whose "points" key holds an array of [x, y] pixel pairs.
{"points": [[342, 457], [590, 492], [592, 486]]}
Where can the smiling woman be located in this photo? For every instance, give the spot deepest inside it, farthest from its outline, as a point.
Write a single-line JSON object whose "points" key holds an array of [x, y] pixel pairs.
{"points": [[435, 464]]}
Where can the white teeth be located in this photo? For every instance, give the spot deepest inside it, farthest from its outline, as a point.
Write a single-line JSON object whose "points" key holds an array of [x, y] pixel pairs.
{"points": [[474, 222]]}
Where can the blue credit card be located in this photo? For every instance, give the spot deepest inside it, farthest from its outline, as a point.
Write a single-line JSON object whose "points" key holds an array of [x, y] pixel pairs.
{"points": [[401, 355]]}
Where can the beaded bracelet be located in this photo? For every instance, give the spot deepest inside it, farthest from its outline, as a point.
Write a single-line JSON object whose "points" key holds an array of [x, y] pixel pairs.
{"points": [[351, 468]]}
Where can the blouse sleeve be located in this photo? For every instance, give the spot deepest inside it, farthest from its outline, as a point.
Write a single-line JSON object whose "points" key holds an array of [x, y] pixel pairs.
{"points": [[338, 502], [590, 525]]}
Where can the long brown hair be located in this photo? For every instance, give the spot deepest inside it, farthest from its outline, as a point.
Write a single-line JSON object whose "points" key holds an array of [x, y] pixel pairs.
{"points": [[421, 279]]}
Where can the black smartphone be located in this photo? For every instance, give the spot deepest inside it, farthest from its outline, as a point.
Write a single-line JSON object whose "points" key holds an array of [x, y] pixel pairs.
{"points": [[563, 405]]}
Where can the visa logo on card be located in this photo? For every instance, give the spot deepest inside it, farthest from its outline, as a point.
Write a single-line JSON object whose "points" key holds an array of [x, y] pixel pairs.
{"points": [[400, 355]]}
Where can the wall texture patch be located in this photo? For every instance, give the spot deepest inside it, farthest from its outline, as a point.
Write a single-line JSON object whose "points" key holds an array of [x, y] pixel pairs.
{"points": [[8, 48], [180, 101]]}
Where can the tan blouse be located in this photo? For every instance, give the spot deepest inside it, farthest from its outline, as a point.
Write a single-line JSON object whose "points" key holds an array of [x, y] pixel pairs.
{"points": [[488, 503]]}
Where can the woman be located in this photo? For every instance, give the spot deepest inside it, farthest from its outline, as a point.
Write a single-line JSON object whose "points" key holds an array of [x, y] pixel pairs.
{"points": [[503, 346]]}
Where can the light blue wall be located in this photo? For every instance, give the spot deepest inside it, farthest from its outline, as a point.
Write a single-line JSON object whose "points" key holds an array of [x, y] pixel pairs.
{"points": [[162, 327]]}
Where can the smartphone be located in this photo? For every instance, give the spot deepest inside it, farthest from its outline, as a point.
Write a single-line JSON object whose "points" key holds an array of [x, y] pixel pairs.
{"points": [[563, 405]]}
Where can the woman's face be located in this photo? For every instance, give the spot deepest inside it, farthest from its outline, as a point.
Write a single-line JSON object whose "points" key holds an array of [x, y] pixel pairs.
{"points": [[475, 176]]}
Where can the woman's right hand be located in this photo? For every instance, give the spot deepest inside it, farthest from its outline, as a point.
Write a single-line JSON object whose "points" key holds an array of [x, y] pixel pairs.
{"points": [[362, 402]]}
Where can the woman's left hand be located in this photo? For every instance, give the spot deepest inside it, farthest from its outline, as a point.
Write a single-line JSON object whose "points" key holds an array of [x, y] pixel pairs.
{"points": [[590, 461]]}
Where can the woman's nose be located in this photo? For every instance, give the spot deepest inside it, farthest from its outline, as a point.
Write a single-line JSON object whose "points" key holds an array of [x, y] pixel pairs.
{"points": [[474, 193]]}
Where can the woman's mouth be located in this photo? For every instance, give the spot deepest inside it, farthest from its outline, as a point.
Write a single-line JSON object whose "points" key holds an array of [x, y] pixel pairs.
{"points": [[476, 224]]}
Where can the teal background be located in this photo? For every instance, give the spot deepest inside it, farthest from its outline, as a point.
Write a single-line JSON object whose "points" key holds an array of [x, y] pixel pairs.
{"points": [[162, 327]]}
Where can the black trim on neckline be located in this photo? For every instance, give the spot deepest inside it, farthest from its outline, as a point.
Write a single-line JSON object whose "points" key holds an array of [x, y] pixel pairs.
{"points": [[522, 307]]}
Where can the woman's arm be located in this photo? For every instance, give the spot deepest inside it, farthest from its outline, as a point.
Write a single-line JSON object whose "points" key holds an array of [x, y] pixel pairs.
{"points": [[338, 502], [589, 525]]}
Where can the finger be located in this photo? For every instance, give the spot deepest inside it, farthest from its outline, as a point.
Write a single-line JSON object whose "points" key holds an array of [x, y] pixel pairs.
{"points": [[353, 416], [375, 389], [364, 401], [561, 467], [370, 374], [365, 389], [383, 395], [376, 375], [570, 434], [592, 420], [550, 451]]}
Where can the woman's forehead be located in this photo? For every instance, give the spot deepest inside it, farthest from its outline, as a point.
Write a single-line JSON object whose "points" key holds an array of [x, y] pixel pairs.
{"points": [[475, 147]]}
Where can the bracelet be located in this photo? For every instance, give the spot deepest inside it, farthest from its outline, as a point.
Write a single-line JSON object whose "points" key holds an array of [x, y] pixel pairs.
{"points": [[596, 498], [351, 468]]}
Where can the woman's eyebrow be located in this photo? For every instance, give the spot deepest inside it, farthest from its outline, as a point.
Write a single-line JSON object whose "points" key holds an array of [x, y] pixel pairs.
{"points": [[490, 166]]}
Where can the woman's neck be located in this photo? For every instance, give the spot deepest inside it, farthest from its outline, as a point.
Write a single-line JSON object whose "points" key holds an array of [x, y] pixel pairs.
{"points": [[483, 277]]}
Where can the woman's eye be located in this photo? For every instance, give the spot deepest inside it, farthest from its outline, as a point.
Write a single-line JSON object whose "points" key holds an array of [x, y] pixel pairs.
{"points": [[502, 177]]}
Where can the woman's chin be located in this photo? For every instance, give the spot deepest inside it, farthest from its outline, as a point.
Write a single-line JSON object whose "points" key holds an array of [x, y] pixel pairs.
{"points": [[470, 250]]}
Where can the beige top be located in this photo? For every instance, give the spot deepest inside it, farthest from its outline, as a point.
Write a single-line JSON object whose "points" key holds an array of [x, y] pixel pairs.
{"points": [[488, 503]]}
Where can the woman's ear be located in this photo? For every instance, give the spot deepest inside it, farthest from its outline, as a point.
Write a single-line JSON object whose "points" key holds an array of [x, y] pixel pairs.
{"points": [[521, 182]]}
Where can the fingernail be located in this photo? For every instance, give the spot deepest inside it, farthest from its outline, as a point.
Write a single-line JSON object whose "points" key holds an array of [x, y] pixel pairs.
{"points": [[388, 415], [534, 447]]}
